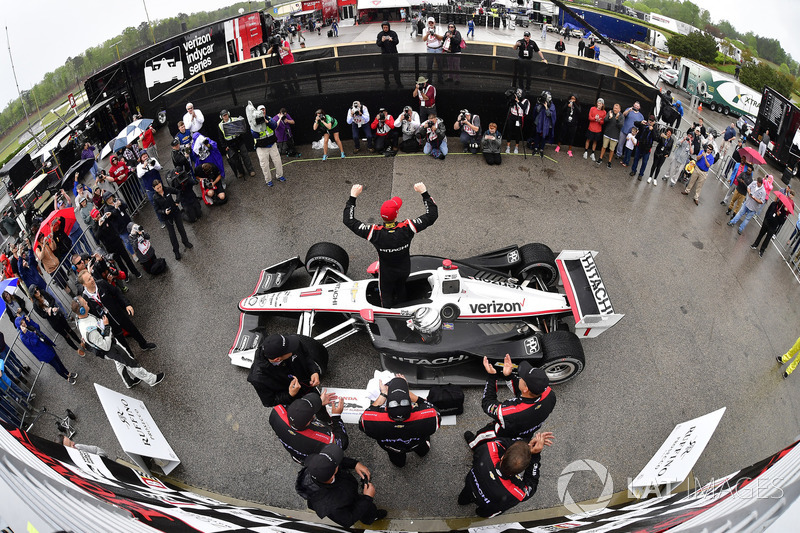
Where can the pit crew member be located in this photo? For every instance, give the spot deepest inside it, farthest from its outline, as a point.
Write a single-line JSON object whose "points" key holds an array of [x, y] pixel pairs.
{"points": [[302, 432]]}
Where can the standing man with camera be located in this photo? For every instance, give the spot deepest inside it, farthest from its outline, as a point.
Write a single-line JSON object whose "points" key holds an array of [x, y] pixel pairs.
{"points": [[523, 66], [387, 41], [172, 215], [518, 109], [385, 136], [427, 97], [262, 127], [358, 118], [234, 143], [108, 236], [470, 126], [434, 37], [408, 123]]}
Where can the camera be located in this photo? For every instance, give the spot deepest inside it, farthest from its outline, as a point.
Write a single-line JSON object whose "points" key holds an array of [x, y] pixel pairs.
{"points": [[462, 116], [544, 98], [511, 96], [275, 40]]}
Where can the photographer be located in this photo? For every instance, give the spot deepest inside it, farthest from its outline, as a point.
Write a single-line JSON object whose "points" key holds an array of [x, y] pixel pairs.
{"points": [[387, 41], [179, 160], [120, 217], [283, 132], [523, 66], [491, 145], [358, 118], [110, 239], [184, 181], [518, 109], [283, 48], [184, 137], [386, 138], [211, 184], [434, 38], [234, 143], [470, 126], [206, 151], [172, 214], [408, 124], [149, 143], [569, 118], [262, 128], [145, 252], [119, 169], [427, 97], [432, 133], [544, 120], [148, 170], [327, 125], [452, 47]]}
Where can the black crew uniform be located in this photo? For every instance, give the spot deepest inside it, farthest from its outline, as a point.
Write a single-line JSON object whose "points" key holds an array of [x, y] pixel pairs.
{"points": [[272, 381], [517, 418], [340, 501], [300, 444], [185, 181], [494, 493], [399, 438], [171, 219], [107, 235], [393, 242], [523, 66]]}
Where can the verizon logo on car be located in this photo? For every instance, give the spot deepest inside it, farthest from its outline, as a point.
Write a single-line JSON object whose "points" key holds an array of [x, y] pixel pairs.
{"points": [[495, 307]]}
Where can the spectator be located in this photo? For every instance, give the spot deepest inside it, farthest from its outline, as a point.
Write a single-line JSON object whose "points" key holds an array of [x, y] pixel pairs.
{"points": [[736, 156], [773, 222], [149, 142], [335, 28], [516, 118], [283, 132], [644, 144], [451, 45], [492, 142], [700, 174], [193, 120], [632, 116], [434, 36], [763, 145], [756, 196], [131, 154], [119, 170], [630, 145], [741, 183], [597, 116], [470, 126], [611, 131], [523, 66], [560, 46], [728, 137], [148, 171], [427, 97], [106, 231], [46, 307], [358, 118], [89, 153], [663, 149], [14, 305], [408, 122], [471, 27], [235, 138], [387, 41], [172, 214], [42, 347], [682, 155], [385, 136], [328, 126], [432, 132], [544, 121], [85, 448], [581, 46], [568, 119]]}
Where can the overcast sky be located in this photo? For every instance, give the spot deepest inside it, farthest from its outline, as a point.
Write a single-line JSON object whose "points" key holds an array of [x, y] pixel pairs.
{"points": [[44, 34]]}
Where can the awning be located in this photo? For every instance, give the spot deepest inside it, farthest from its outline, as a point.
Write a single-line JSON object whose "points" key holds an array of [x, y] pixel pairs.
{"points": [[54, 142], [383, 4], [306, 12]]}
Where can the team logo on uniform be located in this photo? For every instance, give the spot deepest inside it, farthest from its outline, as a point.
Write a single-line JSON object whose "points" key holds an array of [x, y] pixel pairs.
{"points": [[447, 325], [531, 345], [513, 256]]}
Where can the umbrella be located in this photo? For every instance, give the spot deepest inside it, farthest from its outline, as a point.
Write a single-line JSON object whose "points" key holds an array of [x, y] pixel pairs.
{"points": [[786, 201], [131, 132], [81, 165], [751, 154], [30, 186], [69, 221]]}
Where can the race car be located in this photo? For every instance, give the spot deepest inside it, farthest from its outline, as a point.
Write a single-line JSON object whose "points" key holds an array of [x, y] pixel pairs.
{"points": [[456, 312]]}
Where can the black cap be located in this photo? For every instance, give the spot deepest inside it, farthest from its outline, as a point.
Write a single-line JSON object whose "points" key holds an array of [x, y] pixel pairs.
{"points": [[301, 412], [277, 345], [175, 142], [535, 378], [321, 466], [398, 403], [526, 34]]}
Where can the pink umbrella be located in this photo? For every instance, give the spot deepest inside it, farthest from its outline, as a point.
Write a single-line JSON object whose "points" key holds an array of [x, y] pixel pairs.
{"points": [[751, 154], [786, 201]]}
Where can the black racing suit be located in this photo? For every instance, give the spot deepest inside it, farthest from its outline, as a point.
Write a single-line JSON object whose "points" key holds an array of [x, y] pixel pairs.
{"points": [[399, 438], [517, 418], [300, 444], [340, 501], [393, 242], [272, 381], [494, 493]]}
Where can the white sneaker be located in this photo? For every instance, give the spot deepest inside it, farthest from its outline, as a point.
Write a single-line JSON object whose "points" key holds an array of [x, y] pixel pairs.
{"points": [[516, 149], [508, 149], [593, 158], [649, 180], [655, 182], [586, 155]]}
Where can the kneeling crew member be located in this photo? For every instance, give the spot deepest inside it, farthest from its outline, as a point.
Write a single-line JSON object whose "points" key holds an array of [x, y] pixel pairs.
{"points": [[400, 421], [301, 432], [392, 240], [286, 367], [504, 472], [519, 417], [332, 491]]}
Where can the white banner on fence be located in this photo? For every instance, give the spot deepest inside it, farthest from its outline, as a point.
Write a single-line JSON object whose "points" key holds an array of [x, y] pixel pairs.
{"points": [[676, 457], [136, 430]]}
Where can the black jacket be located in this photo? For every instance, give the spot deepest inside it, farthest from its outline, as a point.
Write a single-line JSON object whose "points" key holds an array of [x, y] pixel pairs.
{"points": [[111, 299], [664, 147], [519, 417], [646, 137], [773, 220], [11, 316], [401, 436], [340, 501], [180, 162], [743, 180], [493, 493], [107, 234], [300, 444], [387, 47], [162, 203], [272, 381], [392, 240]]}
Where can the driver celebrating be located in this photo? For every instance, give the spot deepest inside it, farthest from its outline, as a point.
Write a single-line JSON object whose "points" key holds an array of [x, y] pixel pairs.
{"points": [[392, 240], [521, 416]]}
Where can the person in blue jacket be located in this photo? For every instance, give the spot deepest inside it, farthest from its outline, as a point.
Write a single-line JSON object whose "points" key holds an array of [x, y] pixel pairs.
{"points": [[42, 347]]}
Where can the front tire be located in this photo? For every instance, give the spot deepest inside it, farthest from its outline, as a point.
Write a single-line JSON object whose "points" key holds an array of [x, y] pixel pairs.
{"points": [[538, 260], [326, 254], [563, 356]]}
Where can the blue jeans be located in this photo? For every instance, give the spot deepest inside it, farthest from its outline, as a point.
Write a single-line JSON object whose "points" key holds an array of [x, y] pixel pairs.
{"points": [[442, 147], [743, 212], [127, 242], [626, 156], [644, 157], [357, 131], [94, 170]]}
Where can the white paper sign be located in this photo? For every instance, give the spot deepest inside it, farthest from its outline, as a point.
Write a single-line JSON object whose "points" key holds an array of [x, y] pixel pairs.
{"points": [[136, 430], [676, 457], [356, 402]]}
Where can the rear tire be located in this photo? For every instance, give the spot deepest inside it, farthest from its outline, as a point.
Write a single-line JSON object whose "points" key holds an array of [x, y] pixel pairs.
{"points": [[538, 259], [712, 106], [726, 110], [563, 356], [327, 254]]}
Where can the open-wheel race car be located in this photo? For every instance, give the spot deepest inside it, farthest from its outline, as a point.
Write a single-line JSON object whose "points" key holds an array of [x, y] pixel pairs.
{"points": [[523, 301]]}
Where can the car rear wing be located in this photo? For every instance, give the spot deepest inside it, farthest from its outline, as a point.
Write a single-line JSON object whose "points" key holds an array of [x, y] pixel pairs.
{"points": [[587, 295], [250, 331]]}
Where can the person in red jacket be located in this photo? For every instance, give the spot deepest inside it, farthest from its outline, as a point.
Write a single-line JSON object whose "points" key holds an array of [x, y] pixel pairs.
{"points": [[385, 136], [597, 116], [149, 142], [119, 170], [8, 273]]}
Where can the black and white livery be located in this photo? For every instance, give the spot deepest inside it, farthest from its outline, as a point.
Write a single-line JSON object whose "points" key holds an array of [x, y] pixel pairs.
{"points": [[524, 301]]}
